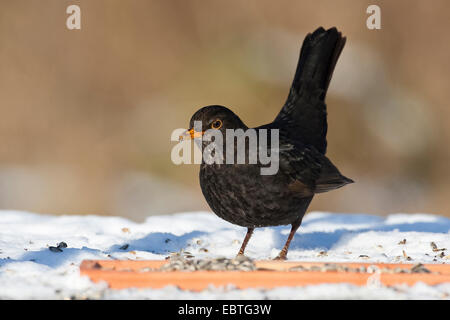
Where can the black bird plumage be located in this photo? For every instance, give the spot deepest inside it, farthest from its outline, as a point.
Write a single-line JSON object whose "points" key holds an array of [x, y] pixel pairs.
{"points": [[238, 193]]}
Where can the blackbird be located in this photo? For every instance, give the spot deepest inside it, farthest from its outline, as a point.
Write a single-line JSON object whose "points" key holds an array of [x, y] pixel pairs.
{"points": [[239, 193]]}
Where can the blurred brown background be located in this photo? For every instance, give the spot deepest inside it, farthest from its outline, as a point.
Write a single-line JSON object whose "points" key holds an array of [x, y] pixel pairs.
{"points": [[86, 115]]}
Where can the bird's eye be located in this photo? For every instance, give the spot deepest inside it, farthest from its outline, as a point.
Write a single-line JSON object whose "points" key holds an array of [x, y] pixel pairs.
{"points": [[216, 124]]}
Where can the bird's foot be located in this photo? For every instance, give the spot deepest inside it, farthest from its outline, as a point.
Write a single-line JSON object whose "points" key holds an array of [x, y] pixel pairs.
{"points": [[282, 255]]}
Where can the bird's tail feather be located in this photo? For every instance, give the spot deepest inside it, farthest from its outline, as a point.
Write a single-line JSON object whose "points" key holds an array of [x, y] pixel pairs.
{"points": [[332, 184], [318, 57]]}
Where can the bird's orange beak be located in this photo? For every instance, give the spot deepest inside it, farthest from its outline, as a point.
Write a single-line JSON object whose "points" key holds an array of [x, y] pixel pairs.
{"points": [[191, 134]]}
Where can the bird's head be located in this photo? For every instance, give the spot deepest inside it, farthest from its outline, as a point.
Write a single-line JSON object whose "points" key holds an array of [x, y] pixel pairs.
{"points": [[212, 117]]}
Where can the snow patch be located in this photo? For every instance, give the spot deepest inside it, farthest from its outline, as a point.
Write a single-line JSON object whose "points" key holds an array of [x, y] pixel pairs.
{"points": [[29, 270]]}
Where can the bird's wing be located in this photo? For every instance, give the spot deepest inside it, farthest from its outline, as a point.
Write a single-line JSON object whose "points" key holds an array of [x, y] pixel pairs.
{"points": [[304, 114], [309, 170]]}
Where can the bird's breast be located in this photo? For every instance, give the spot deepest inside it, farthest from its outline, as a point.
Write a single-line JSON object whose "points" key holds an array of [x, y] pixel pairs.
{"points": [[241, 195]]}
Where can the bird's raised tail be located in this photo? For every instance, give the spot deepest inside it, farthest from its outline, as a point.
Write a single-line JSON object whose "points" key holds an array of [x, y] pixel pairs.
{"points": [[318, 56], [329, 178], [304, 114]]}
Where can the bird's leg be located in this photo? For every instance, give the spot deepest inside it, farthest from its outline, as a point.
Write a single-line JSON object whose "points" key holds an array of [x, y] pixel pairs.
{"points": [[246, 239], [284, 251]]}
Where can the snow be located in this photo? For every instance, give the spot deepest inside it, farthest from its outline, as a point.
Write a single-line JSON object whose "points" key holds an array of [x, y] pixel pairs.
{"points": [[29, 270]]}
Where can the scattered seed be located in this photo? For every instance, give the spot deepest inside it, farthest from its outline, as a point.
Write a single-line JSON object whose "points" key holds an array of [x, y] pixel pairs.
{"points": [[62, 245], [406, 256], [419, 268], [241, 263], [124, 247], [435, 248], [400, 270], [58, 247], [331, 267], [298, 268]]}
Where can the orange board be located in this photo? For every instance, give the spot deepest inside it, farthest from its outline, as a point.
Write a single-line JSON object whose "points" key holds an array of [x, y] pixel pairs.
{"points": [[120, 274]]}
